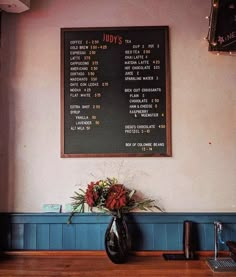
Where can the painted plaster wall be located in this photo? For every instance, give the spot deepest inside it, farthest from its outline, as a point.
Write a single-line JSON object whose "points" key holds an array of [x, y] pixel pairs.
{"points": [[201, 175]]}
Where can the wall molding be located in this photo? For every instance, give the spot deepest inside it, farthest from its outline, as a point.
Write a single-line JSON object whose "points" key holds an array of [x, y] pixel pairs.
{"points": [[149, 231]]}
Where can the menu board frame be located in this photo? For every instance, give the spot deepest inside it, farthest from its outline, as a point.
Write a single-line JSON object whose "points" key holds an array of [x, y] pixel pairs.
{"points": [[163, 35]]}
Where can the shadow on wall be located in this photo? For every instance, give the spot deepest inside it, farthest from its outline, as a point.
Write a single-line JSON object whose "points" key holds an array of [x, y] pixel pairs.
{"points": [[7, 143]]}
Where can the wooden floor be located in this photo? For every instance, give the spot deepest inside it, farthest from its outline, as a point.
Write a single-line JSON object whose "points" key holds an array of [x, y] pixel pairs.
{"points": [[97, 265]]}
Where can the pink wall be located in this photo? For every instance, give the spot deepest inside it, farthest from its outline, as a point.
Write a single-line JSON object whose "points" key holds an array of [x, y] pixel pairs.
{"points": [[201, 175]]}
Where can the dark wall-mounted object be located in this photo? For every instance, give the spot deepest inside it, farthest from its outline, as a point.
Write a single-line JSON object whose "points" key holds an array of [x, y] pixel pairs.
{"points": [[115, 92], [190, 239], [222, 33]]}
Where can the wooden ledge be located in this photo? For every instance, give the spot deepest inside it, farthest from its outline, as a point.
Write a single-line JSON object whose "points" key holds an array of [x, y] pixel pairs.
{"points": [[200, 254]]}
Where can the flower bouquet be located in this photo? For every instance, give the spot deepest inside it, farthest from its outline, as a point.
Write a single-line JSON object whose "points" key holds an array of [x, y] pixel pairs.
{"points": [[111, 197]]}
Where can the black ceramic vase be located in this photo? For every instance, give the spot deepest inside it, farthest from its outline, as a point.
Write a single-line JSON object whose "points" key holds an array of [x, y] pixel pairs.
{"points": [[117, 242]]}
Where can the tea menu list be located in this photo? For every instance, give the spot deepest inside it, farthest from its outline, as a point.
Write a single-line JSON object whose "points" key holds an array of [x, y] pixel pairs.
{"points": [[115, 92]]}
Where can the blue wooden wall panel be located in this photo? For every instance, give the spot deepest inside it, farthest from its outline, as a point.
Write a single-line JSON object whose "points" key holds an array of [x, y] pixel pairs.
{"points": [[105, 219], [141, 236], [160, 238], [149, 231], [93, 233], [229, 232], [103, 228], [208, 236], [42, 241], [200, 228], [55, 236], [17, 236], [30, 236], [88, 236], [81, 237], [93, 236], [69, 238], [232, 235], [173, 237]]}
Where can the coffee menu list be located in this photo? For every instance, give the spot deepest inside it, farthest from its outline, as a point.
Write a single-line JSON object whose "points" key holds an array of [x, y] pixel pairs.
{"points": [[115, 95]]}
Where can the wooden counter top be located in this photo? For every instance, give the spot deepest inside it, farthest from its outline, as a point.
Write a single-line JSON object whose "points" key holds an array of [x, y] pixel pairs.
{"points": [[97, 264]]}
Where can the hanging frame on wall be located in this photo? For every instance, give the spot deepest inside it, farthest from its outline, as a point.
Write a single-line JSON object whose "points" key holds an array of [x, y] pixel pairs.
{"points": [[115, 92], [222, 29]]}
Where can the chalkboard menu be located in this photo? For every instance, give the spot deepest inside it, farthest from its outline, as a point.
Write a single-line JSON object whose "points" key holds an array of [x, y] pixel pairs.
{"points": [[115, 92]]}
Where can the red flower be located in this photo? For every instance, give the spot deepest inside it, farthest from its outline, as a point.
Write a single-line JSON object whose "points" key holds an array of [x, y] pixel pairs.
{"points": [[116, 197], [91, 196]]}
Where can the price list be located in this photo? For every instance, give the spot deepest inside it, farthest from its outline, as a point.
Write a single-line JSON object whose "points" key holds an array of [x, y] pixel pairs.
{"points": [[115, 98]]}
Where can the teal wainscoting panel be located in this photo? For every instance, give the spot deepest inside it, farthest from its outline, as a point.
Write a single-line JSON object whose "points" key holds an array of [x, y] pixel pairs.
{"points": [[42, 242], [201, 236], [142, 236], [30, 236], [160, 236], [17, 236], [174, 237], [69, 238], [88, 236], [209, 236], [205, 236], [55, 236], [103, 228], [232, 231], [148, 231]]}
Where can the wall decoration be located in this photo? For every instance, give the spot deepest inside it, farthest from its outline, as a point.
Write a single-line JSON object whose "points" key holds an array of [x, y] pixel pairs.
{"points": [[115, 92], [222, 28]]}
